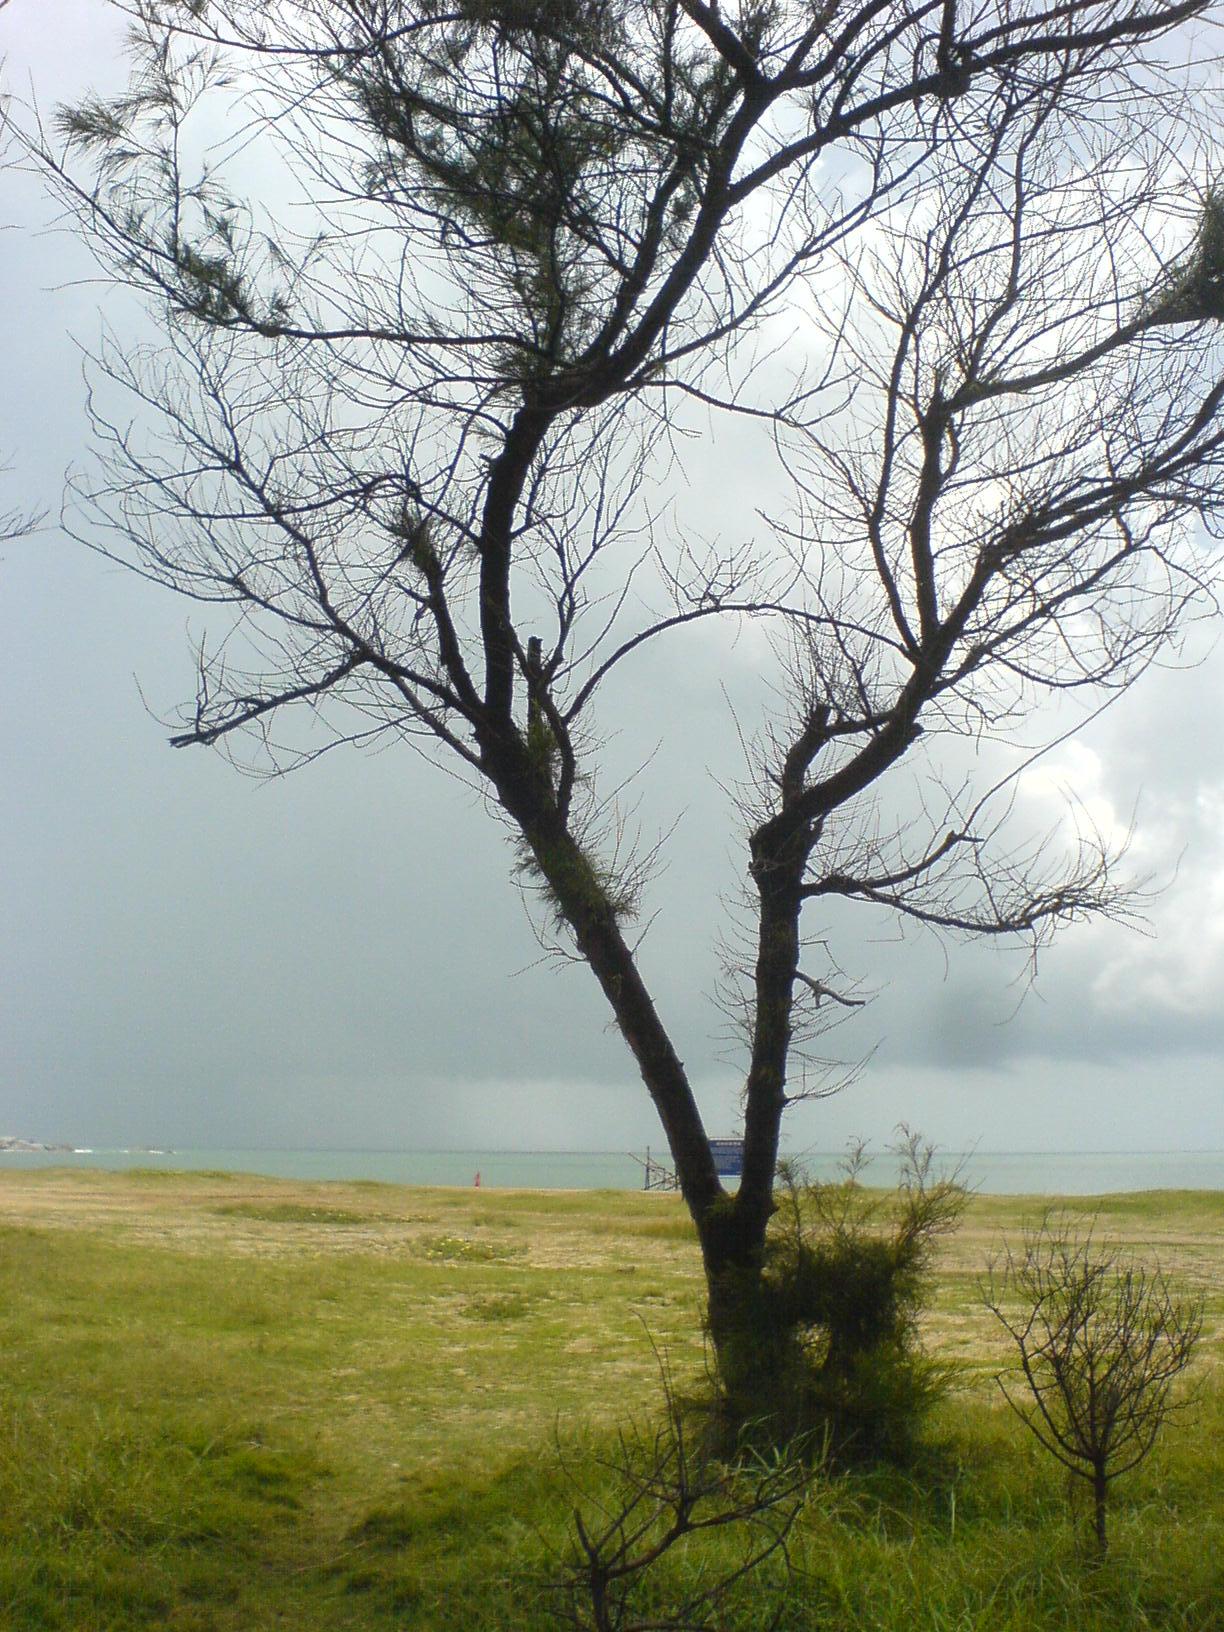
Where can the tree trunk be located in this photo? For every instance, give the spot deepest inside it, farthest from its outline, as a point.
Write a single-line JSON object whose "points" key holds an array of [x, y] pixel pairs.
{"points": [[744, 1338], [1100, 1492]]}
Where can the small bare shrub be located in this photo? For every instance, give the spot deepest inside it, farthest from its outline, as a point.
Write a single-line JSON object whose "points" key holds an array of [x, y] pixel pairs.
{"points": [[1101, 1341], [665, 1491]]}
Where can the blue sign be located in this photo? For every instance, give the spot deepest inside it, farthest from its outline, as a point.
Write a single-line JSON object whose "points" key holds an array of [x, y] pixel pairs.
{"points": [[728, 1157]]}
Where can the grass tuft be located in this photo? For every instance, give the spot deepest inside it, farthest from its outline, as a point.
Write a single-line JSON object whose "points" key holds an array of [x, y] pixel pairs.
{"points": [[290, 1212]]}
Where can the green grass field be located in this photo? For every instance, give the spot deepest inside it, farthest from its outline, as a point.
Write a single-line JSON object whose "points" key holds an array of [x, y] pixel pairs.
{"points": [[231, 1404]]}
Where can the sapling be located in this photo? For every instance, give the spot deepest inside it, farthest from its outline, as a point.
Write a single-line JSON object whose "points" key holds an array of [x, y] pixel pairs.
{"points": [[1101, 1340]]}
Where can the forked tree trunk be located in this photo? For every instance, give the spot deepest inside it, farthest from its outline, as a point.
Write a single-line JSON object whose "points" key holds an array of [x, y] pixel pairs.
{"points": [[731, 1228]]}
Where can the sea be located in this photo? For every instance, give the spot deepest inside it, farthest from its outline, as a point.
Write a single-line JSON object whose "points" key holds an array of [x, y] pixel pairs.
{"points": [[1036, 1173]]}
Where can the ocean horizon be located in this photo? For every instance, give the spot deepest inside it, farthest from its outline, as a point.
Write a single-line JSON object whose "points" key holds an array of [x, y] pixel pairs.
{"points": [[1065, 1173]]}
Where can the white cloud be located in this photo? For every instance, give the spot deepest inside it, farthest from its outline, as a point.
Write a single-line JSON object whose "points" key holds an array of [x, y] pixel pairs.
{"points": [[1181, 969], [1070, 786]]}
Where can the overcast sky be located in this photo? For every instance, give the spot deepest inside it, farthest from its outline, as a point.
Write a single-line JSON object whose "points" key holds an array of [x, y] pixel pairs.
{"points": [[340, 958]]}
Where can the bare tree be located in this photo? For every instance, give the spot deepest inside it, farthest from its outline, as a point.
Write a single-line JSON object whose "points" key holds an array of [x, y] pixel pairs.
{"points": [[662, 1489], [1101, 1341], [418, 448]]}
